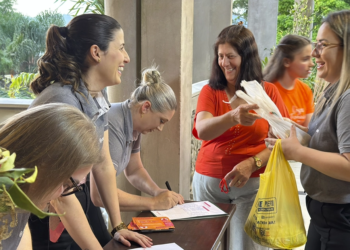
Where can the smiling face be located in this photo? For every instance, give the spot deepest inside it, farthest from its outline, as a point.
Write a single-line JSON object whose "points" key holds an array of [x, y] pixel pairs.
{"points": [[302, 63], [112, 61], [329, 61], [230, 62]]}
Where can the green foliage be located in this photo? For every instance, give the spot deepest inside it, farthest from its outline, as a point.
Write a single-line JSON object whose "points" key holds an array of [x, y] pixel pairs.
{"points": [[86, 6], [19, 87], [240, 9], [22, 42]]}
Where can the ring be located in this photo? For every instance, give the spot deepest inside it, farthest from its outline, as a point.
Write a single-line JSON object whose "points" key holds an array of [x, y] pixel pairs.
{"points": [[239, 182]]}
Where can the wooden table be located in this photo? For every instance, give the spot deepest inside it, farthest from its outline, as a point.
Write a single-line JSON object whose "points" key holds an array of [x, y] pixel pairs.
{"points": [[201, 234]]}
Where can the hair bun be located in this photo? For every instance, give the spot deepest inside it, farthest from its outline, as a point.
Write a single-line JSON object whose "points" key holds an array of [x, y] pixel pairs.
{"points": [[63, 31], [151, 76]]}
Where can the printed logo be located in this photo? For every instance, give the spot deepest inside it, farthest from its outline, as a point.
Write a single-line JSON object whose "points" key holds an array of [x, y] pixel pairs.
{"points": [[266, 205]]}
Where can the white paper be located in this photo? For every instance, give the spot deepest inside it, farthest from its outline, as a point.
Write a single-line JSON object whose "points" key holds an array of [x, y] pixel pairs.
{"points": [[190, 210], [170, 246]]}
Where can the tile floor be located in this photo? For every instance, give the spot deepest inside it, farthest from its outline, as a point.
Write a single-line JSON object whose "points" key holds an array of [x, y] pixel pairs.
{"points": [[296, 166]]}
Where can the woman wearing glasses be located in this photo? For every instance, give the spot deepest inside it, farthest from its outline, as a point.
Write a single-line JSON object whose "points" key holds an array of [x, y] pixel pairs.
{"points": [[292, 60], [325, 173], [62, 143], [80, 61]]}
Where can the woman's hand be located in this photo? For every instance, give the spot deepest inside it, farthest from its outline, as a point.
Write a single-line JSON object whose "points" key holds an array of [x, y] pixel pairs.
{"points": [[241, 114], [166, 199], [124, 236], [290, 146], [240, 173]]}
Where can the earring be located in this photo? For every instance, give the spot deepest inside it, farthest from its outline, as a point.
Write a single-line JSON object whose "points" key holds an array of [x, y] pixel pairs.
{"points": [[99, 60]]}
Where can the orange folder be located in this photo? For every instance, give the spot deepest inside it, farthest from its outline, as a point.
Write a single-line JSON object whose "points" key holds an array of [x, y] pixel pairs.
{"points": [[151, 224]]}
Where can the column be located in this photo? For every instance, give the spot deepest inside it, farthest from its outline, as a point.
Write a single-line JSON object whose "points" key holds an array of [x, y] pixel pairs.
{"points": [[262, 21]]}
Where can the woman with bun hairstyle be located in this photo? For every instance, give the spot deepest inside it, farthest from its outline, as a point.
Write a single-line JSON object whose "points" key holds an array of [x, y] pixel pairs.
{"points": [[63, 144], [150, 106], [80, 61], [290, 61]]}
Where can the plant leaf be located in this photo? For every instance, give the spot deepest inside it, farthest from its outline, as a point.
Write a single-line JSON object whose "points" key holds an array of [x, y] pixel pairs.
{"points": [[9, 164]]}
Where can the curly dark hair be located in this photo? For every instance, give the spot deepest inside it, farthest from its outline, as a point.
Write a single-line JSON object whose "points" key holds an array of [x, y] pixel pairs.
{"points": [[67, 48], [243, 41]]}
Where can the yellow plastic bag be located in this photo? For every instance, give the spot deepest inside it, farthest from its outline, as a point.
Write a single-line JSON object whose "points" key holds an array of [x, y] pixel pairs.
{"points": [[275, 219]]}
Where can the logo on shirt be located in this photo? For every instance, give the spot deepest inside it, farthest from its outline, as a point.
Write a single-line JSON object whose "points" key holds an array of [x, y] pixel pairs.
{"points": [[298, 114]]}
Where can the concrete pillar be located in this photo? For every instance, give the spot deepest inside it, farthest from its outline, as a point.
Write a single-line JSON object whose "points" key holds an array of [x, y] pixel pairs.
{"points": [[209, 18], [262, 21], [167, 40], [127, 13]]}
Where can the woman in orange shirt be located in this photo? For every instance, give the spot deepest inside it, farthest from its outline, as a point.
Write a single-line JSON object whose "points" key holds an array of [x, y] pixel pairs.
{"points": [[233, 136], [292, 60]]}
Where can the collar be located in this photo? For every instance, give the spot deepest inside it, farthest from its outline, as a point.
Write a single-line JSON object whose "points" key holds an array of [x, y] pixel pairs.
{"points": [[86, 102], [130, 134]]}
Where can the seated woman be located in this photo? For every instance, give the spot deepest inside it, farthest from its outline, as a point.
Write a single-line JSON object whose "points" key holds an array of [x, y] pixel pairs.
{"points": [[292, 60], [62, 142], [150, 106]]}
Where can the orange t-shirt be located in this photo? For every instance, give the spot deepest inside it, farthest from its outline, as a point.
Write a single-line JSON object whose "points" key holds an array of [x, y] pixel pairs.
{"points": [[217, 157], [299, 101]]}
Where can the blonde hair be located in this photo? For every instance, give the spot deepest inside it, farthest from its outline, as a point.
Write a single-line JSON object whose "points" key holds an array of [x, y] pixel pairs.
{"points": [[153, 89], [57, 138], [339, 22]]}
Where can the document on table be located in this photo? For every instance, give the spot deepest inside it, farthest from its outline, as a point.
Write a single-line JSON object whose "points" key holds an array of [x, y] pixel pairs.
{"points": [[191, 210], [170, 246]]}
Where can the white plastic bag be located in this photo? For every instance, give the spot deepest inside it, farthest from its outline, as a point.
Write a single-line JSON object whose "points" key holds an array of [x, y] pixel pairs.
{"points": [[269, 111]]}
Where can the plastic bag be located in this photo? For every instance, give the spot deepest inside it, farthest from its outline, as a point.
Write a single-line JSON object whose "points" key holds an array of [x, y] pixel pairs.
{"points": [[275, 219], [269, 111]]}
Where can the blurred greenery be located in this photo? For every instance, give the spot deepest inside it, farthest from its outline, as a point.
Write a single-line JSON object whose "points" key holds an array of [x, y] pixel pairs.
{"points": [[86, 6], [22, 42]]}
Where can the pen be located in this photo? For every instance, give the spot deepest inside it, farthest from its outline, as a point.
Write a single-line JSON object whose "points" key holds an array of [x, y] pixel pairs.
{"points": [[168, 185]]}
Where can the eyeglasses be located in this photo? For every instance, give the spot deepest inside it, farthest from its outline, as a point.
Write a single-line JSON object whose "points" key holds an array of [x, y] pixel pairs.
{"points": [[319, 46], [75, 188]]}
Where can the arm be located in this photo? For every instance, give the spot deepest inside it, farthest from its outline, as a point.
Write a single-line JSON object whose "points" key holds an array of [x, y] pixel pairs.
{"points": [[210, 127], [104, 176], [26, 241], [332, 164], [138, 176], [307, 120], [75, 222], [128, 202], [243, 170]]}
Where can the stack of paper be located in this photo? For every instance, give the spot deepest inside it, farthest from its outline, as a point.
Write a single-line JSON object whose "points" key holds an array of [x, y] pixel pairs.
{"points": [[192, 210]]}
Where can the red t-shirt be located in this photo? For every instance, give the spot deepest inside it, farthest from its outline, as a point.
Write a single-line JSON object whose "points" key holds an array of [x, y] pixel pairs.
{"points": [[217, 157], [299, 101]]}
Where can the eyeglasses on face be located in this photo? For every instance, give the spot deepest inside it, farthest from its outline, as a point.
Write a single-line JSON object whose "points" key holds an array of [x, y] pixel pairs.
{"points": [[319, 46], [75, 188]]}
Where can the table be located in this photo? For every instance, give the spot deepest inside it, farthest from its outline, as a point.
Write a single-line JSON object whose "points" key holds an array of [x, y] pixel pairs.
{"points": [[201, 234]]}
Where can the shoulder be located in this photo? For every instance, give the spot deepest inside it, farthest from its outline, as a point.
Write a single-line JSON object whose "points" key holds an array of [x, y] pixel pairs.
{"points": [[56, 93], [270, 88], [116, 119], [302, 85]]}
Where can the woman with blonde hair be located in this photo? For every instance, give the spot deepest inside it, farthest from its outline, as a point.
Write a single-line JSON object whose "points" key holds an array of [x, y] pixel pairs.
{"points": [[62, 143], [290, 61], [325, 172], [150, 106]]}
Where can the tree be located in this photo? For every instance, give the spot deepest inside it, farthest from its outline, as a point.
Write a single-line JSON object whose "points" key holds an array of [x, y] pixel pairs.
{"points": [[86, 6], [240, 10]]}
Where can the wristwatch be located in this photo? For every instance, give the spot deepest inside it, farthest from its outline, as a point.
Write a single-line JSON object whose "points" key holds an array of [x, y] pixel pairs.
{"points": [[117, 228], [258, 162]]}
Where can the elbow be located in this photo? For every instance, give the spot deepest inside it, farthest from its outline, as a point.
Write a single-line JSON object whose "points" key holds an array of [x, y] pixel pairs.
{"points": [[202, 135], [97, 202]]}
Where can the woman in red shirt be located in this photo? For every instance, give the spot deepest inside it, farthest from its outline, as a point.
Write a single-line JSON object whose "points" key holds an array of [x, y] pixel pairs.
{"points": [[292, 60], [233, 135]]}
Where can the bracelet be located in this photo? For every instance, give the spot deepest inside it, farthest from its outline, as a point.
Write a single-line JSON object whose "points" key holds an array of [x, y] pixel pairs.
{"points": [[119, 227]]}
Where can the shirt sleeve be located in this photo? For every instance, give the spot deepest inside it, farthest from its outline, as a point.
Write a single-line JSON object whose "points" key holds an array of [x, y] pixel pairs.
{"points": [[272, 91], [343, 121], [206, 102], [136, 147]]}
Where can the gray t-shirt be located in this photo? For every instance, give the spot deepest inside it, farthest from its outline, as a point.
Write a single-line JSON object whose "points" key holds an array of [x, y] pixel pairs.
{"points": [[17, 232], [330, 132], [95, 108], [123, 140]]}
